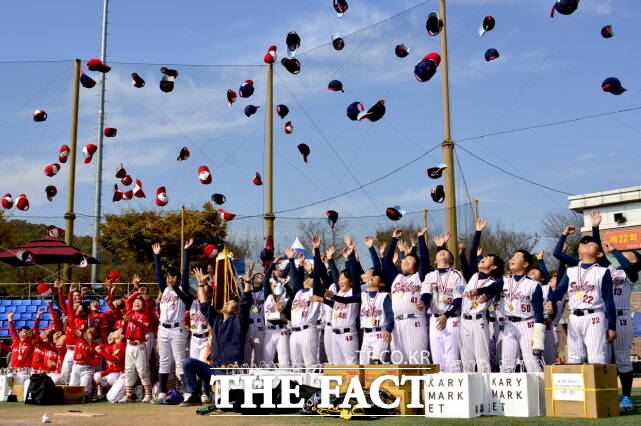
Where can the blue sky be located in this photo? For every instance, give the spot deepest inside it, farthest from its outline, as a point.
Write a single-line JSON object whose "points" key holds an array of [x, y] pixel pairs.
{"points": [[549, 70]]}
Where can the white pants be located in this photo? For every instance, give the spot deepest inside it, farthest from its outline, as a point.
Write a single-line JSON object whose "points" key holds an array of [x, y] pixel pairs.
{"points": [[56, 377], [475, 345], [373, 347], [106, 381], [67, 365], [587, 340], [444, 344], [82, 375], [150, 344], [303, 348], [327, 344], [277, 342], [198, 347], [410, 341], [345, 348], [136, 361], [622, 345], [496, 343], [254, 344], [117, 391], [171, 349], [517, 339]]}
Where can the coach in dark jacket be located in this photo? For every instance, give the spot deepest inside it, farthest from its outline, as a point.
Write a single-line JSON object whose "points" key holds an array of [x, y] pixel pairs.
{"points": [[228, 342]]}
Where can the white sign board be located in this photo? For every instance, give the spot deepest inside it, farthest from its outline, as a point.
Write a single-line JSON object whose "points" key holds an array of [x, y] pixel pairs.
{"points": [[516, 394], [456, 395], [568, 387]]}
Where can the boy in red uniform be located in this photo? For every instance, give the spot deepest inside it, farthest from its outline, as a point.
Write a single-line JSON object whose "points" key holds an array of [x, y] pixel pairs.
{"points": [[22, 346], [114, 353], [136, 359], [85, 360]]}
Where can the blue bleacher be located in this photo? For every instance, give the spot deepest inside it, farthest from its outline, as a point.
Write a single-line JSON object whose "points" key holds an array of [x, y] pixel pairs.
{"points": [[4, 333], [2, 308], [20, 323], [21, 309]]}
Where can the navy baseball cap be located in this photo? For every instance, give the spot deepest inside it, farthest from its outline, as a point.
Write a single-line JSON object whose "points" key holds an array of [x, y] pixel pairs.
{"points": [[607, 32], [395, 213], [246, 89], [354, 109], [218, 199], [304, 150], [436, 172], [340, 6], [491, 54], [424, 70], [375, 113], [332, 217], [231, 97], [438, 194], [564, 7], [291, 64], [282, 110], [137, 81], [293, 43], [612, 85], [86, 81], [487, 25], [338, 42], [401, 50], [434, 23], [251, 110], [335, 86]]}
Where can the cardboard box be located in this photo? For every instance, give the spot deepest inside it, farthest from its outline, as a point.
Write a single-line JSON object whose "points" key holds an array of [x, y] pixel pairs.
{"points": [[347, 372], [372, 371], [18, 391], [456, 395], [585, 391], [73, 394]]}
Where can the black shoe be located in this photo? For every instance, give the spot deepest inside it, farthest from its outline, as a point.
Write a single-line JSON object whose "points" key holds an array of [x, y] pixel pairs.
{"points": [[193, 399]]}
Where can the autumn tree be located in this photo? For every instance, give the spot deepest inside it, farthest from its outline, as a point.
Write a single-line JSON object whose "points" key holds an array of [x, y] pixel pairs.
{"points": [[329, 236], [128, 236]]}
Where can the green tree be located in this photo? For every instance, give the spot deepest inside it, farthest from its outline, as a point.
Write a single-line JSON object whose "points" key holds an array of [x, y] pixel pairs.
{"points": [[128, 236]]}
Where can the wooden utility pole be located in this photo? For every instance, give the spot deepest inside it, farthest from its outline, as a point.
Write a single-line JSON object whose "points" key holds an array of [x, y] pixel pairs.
{"points": [[269, 154], [182, 236], [70, 216], [448, 145]]}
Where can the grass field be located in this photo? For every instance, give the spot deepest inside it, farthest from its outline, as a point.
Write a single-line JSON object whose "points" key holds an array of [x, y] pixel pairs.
{"points": [[139, 415]]}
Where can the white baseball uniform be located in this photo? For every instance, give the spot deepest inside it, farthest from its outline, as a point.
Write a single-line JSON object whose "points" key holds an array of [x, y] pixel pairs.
{"points": [[171, 332], [344, 342], [256, 332], [586, 333], [276, 335], [475, 330], [445, 287], [199, 327], [410, 336], [518, 310], [622, 345], [374, 325], [327, 328], [303, 342]]}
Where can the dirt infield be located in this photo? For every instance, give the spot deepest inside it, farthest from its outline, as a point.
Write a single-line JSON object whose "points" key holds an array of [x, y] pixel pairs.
{"points": [[142, 415]]}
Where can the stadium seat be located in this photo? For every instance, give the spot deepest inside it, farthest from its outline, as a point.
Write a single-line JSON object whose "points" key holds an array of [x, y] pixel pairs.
{"points": [[17, 316], [44, 324], [2, 308], [5, 302], [32, 309], [3, 316], [20, 324], [21, 308], [4, 333], [46, 315]]}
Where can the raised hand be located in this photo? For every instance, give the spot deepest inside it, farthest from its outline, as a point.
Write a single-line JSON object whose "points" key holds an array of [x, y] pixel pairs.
{"points": [[569, 230], [461, 248], [596, 218], [290, 252], [188, 243], [330, 252], [479, 251], [200, 276], [135, 280], [398, 232], [348, 241], [402, 246], [439, 241], [349, 250], [481, 224], [155, 247], [607, 246], [316, 242], [422, 232], [57, 284], [40, 311], [10, 315], [540, 255], [369, 241]]}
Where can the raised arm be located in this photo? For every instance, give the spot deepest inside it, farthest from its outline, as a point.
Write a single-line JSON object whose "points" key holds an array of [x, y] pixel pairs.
{"points": [[423, 255], [160, 279], [558, 249], [55, 318], [184, 278], [376, 260], [297, 285], [390, 270], [333, 270], [540, 256], [267, 287], [61, 297], [245, 305], [12, 326], [481, 224], [629, 268], [608, 298]]}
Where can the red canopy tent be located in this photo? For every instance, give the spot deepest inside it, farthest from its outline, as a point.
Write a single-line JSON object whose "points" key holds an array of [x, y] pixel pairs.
{"points": [[46, 251]]}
